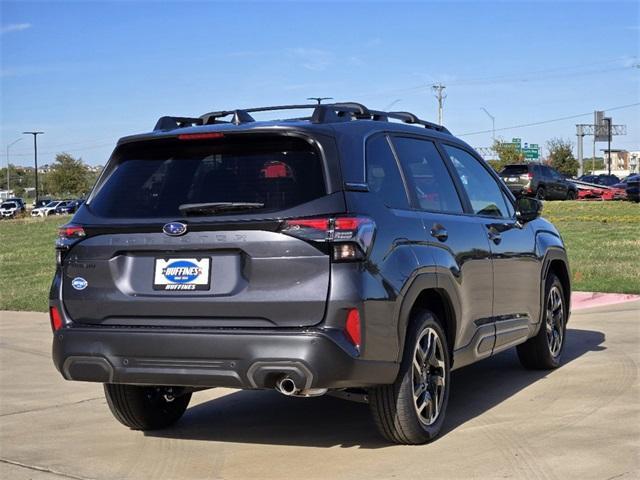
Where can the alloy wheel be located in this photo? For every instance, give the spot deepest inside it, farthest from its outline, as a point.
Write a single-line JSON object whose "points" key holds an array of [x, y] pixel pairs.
{"points": [[555, 320], [429, 376]]}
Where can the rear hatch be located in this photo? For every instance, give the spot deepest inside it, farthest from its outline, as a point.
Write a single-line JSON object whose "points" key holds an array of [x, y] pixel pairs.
{"points": [[231, 267], [516, 176]]}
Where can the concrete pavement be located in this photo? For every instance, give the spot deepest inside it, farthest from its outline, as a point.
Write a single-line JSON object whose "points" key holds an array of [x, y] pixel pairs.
{"points": [[580, 421]]}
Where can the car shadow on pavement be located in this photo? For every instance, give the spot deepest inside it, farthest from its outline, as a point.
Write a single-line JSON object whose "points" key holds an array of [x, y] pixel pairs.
{"points": [[267, 417]]}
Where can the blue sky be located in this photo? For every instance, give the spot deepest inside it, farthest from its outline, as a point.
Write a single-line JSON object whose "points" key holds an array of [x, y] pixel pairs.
{"points": [[87, 73]]}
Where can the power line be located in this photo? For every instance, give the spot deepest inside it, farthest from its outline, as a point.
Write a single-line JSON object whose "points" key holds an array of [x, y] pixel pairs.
{"points": [[510, 78], [73, 150], [542, 122]]}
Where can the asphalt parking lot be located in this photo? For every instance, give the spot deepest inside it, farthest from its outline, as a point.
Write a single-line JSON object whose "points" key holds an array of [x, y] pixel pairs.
{"points": [[580, 421]]}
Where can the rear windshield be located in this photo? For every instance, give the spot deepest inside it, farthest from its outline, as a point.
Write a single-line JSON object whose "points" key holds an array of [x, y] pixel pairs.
{"points": [[154, 179], [514, 170]]}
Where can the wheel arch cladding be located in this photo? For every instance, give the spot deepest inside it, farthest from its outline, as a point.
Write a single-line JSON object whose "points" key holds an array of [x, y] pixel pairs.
{"points": [[559, 268], [437, 301]]}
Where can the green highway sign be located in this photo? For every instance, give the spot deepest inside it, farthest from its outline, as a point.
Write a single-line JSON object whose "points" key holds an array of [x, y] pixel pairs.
{"points": [[516, 140], [531, 153], [533, 145]]}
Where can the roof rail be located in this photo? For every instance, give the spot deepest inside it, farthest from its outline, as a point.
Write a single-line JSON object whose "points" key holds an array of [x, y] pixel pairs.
{"points": [[323, 113], [171, 123], [239, 116]]}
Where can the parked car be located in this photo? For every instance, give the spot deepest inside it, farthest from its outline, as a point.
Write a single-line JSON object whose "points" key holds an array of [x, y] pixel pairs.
{"points": [[603, 179], [41, 203], [540, 181], [68, 207], [19, 201], [341, 252], [632, 187], [11, 209], [48, 209]]}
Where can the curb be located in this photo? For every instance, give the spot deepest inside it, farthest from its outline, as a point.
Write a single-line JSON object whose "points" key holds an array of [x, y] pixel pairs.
{"points": [[582, 300]]}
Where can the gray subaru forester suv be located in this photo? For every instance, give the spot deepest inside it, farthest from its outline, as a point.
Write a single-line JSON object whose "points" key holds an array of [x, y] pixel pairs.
{"points": [[351, 252]]}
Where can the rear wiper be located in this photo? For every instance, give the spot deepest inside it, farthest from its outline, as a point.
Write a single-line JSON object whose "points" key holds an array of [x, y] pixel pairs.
{"points": [[216, 207]]}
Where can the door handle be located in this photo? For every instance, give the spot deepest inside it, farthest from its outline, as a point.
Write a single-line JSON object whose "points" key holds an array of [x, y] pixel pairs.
{"points": [[439, 232]]}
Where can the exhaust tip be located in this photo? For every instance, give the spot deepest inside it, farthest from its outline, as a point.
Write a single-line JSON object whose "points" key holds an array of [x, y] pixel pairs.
{"points": [[287, 386]]}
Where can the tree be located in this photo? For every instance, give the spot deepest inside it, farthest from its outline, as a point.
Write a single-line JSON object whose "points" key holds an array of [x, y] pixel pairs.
{"points": [[508, 154], [68, 177], [561, 156]]}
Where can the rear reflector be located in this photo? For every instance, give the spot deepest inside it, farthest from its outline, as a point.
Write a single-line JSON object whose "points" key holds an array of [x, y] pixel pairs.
{"points": [[200, 136], [352, 328], [56, 319]]}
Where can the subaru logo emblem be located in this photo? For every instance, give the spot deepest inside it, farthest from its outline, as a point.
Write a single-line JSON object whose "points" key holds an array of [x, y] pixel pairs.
{"points": [[79, 283], [175, 229]]}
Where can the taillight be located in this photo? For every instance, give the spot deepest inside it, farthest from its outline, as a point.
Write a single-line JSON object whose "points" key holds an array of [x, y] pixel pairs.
{"points": [[349, 238], [352, 328], [68, 235], [56, 319], [71, 231]]}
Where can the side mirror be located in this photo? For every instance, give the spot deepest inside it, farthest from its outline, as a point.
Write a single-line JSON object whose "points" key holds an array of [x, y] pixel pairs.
{"points": [[528, 209]]}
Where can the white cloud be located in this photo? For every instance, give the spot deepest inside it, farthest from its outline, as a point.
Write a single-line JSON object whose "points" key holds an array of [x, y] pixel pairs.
{"points": [[14, 27], [312, 58]]}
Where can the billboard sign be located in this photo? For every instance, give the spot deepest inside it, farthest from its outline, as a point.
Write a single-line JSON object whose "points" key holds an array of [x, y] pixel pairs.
{"points": [[601, 129]]}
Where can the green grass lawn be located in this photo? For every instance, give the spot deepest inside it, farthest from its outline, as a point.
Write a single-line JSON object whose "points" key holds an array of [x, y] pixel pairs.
{"points": [[603, 240], [27, 261]]}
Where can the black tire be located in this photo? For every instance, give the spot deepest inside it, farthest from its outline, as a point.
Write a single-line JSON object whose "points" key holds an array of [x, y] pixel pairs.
{"points": [[146, 408], [544, 351], [541, 193], [571, 195], [393, 406]]}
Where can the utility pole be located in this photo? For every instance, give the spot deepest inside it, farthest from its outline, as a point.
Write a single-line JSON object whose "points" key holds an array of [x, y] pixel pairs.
{"points": [[580, 135], [593, 158], [8, 177], [440, 95], [319, 99], [608, 120], [493, 124], [35, 155]]}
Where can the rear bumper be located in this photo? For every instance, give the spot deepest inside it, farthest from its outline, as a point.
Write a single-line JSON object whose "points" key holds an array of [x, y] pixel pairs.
{"points": [[518, 190], [247, 359]]}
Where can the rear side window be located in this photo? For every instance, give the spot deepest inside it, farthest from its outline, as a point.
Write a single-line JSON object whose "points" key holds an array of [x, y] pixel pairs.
{"points": [[427, 175], [154, 179], [383, 176], [482, 189]]}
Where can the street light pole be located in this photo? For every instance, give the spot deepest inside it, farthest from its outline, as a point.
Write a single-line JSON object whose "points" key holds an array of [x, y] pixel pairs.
{"points": [[35, 155], [493, 124], [8, 177]]}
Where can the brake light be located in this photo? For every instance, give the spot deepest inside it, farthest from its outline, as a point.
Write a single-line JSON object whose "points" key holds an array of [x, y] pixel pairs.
{"points": [[352, 328], [71, 231], [350, 238], [56, 319], [200, 136]]}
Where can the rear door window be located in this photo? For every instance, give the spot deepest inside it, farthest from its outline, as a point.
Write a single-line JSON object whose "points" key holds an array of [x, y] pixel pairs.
{"points": [[383, 175], [427, 175], [154, 179]]}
